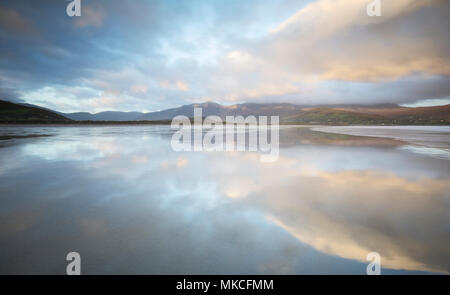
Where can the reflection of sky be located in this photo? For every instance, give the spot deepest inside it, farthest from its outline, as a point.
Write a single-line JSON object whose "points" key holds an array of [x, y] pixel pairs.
{"points": [[431, 140], [129, 204]]}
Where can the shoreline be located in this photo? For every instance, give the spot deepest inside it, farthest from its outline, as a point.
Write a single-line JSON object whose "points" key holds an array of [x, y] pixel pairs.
{"points": [[165, 123]]}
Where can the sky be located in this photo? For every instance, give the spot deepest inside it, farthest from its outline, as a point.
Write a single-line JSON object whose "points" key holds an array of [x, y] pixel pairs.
{"points": [[151, 55]]}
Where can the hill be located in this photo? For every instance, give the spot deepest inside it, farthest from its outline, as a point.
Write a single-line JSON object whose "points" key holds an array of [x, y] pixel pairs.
{"points": [[329, 114], [212, 108], [17, 113], [104, 116], [387, 114]]}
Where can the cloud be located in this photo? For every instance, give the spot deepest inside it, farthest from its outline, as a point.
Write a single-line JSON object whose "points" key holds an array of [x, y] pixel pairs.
{"points": [[183, 86], [9, 94], [324, 18], [15, 24], [179, 85], [139, 88], [90, 16], [336, 41], [161, 54]]}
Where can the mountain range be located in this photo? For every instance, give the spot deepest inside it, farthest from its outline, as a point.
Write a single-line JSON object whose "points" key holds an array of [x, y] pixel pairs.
{"points": [[289, 114]]}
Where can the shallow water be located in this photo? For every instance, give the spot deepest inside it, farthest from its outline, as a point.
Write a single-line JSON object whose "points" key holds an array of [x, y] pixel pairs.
{"points": [[432, 140], [123, 199]]}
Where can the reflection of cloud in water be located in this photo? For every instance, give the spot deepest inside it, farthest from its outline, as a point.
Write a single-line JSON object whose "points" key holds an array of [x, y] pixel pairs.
{"points": [[70, 150], [131, 205], [351, 213]]}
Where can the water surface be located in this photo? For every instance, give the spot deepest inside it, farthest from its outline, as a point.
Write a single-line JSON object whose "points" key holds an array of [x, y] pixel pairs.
{"points": [[123, 199]]}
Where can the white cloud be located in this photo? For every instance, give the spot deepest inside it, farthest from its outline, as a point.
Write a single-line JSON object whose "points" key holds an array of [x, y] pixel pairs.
{"points": [[335, 40]]}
